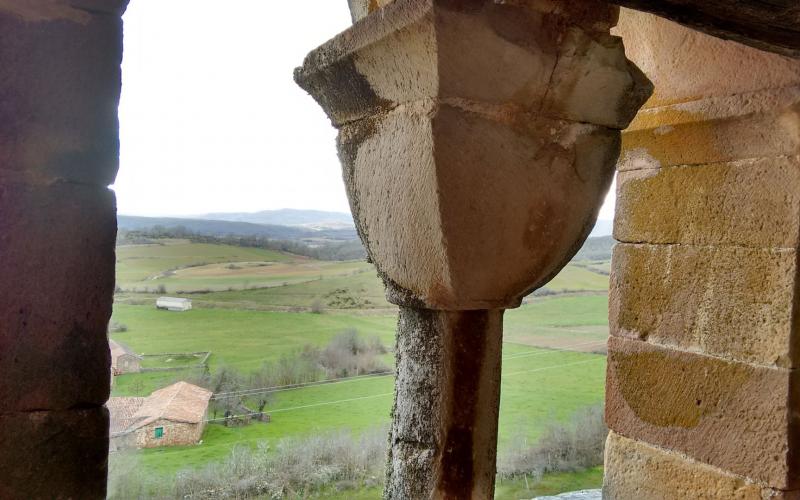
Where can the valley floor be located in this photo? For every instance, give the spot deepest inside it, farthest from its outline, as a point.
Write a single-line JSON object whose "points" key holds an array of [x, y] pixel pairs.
{"points": [[256, 306]]}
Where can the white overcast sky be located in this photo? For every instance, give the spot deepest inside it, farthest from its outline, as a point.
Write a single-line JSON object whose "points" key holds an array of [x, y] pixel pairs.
{"points": [[210, 118]]}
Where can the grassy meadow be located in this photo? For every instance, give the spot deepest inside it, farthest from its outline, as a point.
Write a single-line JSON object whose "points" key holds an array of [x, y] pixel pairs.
{"points": [[253, 305]]}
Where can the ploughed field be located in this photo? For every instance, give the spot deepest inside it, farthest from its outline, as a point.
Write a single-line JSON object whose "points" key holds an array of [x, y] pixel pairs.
{"points": [[253, 305]]}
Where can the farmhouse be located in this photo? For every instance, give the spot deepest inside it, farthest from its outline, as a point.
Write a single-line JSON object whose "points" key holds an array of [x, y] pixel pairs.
{"points": [[173, 304], [174, 415], [123, 359]]}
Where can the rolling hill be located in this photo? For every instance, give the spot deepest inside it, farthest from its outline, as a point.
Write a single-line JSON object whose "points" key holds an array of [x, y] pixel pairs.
{"points": [[235, 228], [287, 217]]}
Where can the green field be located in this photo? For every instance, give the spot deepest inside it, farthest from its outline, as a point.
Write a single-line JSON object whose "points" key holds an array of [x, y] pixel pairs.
{"points": [[539, 385], [248, 278], [549, 366]]}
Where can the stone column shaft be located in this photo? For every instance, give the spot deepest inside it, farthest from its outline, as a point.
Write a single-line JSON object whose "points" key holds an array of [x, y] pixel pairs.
{"points": [[447, 397]]}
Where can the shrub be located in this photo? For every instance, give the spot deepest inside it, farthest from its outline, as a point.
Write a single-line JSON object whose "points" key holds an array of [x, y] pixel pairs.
{"points": [[348, 354], [114, 327], [575, 445], [294, 468], [317, 307], [128, 481]]}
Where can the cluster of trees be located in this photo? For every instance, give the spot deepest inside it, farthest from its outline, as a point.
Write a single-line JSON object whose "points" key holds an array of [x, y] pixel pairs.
{"points": [[324, 250], [347, 354]]}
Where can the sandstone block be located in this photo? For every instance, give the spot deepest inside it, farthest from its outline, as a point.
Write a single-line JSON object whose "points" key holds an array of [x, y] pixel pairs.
{"points": [[754, 203], [734, 416], [637, 470], [687, 65], [59, 92], [54, 454], [732, 302], [57, 268], [764, 135]]}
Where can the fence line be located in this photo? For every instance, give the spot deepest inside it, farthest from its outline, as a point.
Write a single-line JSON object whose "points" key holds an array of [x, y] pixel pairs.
{"points": [[281, 388], [328, 403]]}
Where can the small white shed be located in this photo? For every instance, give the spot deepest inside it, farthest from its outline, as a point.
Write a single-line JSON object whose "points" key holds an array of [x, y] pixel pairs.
{"points": [[174, 304]]}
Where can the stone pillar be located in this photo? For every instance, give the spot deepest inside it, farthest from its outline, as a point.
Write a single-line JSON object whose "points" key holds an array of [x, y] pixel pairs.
{"points": [[445, 412], [477, 141], [59, 88], [703, 394]]}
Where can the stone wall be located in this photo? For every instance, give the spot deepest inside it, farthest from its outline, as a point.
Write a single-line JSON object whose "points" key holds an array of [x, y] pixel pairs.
{"points": [[175, 434], [59, 89], [703, 397]]}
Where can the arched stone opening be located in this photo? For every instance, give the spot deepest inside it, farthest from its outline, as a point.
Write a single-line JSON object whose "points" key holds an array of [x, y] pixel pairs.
{"points": [[703, 393]]}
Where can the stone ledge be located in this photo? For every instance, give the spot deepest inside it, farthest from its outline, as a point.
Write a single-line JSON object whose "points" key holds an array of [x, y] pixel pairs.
{"points": [[412, 50]]}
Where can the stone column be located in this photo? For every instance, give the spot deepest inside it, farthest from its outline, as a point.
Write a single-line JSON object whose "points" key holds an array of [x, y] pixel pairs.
{"points": [[59, 87], [477, 142], [703, 395]]}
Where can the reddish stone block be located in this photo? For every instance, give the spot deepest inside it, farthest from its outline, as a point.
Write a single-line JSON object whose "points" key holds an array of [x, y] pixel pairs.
{"points": [[741, 418], [59, 91], [57, 273], [54, 454]]}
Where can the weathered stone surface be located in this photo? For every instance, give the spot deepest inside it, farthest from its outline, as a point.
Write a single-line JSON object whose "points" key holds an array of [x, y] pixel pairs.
{"points": [[59, 91], [468, 211], [763, 135], [772, 26], [754, 203], [686, 65], [735, 416], [731, 302], [54, 454], [415, 50], [447, 398], [637, 470], [57, 268]]}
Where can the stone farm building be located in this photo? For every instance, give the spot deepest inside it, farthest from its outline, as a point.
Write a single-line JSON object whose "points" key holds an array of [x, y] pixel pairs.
{"points": [[123, 359], [174, 415]]}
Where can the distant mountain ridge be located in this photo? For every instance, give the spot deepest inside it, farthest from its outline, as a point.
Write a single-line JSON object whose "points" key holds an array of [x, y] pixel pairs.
{"points": [[233, 228], [286, 217]]}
